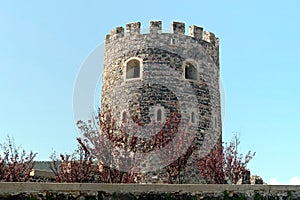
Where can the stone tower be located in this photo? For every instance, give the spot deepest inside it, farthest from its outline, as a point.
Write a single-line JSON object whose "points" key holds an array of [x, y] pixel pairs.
{"points": [[166, 84]]}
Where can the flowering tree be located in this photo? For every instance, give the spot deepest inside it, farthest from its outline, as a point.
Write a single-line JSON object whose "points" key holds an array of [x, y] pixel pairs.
{"points": [[77, 167], [211, 167], [235, 164], [172, 152], [224, 165], [175, 168], [15, 164], [99, 147], [103, 134]]}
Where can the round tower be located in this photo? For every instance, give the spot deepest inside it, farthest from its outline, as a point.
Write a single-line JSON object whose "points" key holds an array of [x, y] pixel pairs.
{"points": [[164, 85]]}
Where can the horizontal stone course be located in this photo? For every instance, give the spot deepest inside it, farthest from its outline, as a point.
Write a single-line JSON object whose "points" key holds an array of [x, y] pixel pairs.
{"points": [[119, 191]]}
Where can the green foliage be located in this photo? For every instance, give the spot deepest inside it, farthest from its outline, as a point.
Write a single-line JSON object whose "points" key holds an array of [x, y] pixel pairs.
{"points": [[114, 195], [166, 196], [290, 195], [226, 195], [257, 196], [234, 197]]}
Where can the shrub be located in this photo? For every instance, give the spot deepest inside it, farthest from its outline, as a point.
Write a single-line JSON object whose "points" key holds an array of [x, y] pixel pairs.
{"points": [[15, 164]]}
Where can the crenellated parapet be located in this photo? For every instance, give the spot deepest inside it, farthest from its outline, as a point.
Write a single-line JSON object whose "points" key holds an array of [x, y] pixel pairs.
{"points": [[207, 39], [178, 27], [115, 33], [155, 27], [133, 28], [196, 32]]}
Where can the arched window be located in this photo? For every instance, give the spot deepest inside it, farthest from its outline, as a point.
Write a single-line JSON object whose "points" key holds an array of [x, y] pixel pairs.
{"points": [[133, 69], [193, 117], [190, 71], [159, 115]]}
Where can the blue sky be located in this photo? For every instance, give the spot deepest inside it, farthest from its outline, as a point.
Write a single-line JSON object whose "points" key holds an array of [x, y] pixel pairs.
{"points": [[43, 44]]}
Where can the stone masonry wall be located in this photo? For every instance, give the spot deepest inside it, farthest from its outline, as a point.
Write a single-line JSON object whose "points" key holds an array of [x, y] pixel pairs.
{"points": [[41, 191], [162, 83]]}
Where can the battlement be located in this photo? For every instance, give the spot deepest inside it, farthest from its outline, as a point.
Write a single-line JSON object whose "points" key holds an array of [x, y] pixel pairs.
{"points": [[155, 27]]}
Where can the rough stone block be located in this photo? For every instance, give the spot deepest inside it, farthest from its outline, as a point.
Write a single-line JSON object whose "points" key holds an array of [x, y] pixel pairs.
{"points": [[178, 27], [196, 32], [133, 28], [155, 27]]}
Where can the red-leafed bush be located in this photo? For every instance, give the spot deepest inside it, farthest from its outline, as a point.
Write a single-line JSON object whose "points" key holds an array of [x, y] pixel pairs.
{"points": [[235, 163], [211, 167], [224, 165], [75, 168], [15, 164], [99, 148], [123, 137], [96, 161]]}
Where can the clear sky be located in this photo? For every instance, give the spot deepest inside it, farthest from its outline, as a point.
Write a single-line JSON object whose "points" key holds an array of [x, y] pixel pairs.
{"points": [[43, 44]]}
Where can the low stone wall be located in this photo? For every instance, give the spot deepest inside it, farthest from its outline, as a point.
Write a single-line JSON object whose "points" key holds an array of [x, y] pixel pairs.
{"points": [[145, 191], [41, 176]]}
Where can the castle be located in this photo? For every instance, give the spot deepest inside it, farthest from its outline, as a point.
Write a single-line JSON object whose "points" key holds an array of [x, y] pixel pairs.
{"points": [[168, 84]]}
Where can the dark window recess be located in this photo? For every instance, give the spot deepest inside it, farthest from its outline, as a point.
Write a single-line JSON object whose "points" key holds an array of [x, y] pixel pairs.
{"points": [[124, 117], [190, 71], [193, 117], [159, 115], [133, 69]]}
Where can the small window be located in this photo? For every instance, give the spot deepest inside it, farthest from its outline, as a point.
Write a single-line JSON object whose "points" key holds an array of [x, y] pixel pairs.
{"points": [[190, 71], [159, 115], [124, 117], [172, 41], [216, 123], [193, 117], [133, 69]]}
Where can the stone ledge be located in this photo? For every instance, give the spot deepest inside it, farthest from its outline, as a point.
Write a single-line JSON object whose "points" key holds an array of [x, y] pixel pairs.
{"points": [[28, 187], [42, 173]]}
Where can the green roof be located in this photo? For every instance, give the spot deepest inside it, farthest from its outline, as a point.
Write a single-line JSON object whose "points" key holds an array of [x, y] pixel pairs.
{"points": [[42, 165]]}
